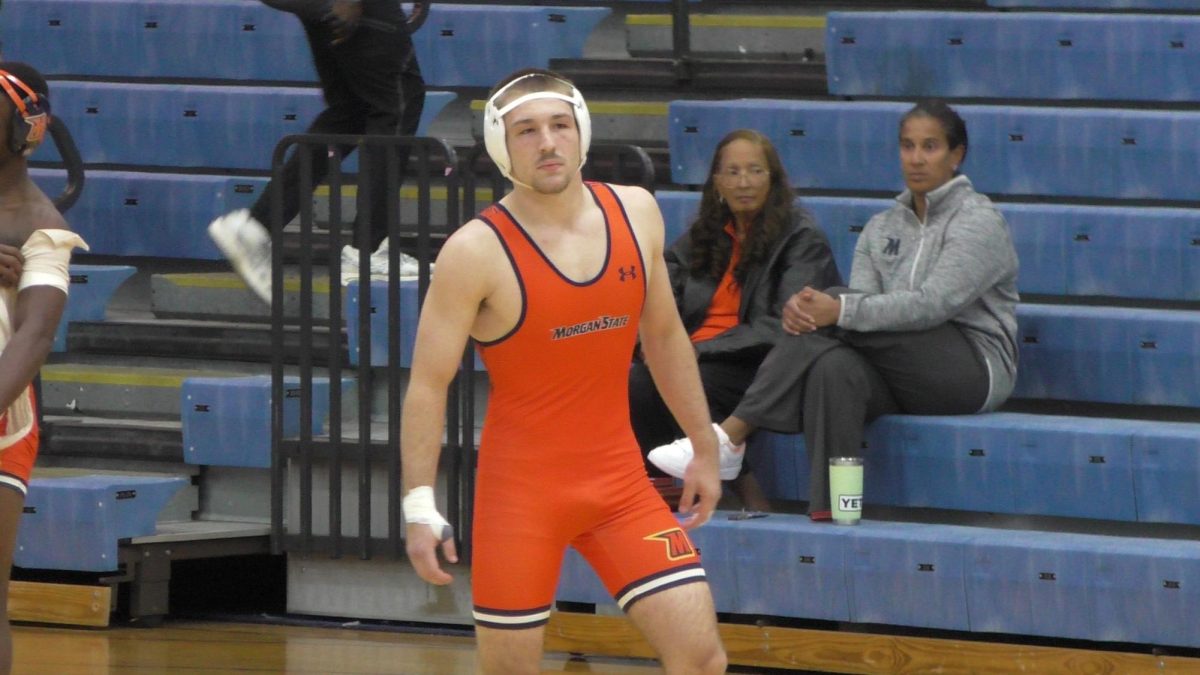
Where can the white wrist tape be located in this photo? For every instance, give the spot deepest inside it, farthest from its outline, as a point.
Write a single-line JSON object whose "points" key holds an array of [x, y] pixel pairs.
{"points": [[419, 507]]}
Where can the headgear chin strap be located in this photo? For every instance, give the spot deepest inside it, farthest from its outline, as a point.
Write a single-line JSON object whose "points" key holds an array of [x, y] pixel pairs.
{"points": [[494, 132], [31, 117]]}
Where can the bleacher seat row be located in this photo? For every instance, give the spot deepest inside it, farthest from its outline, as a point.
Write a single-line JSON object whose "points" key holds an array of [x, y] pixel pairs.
{"points": [[943, 576], [1013, 463], [1064, 249], [1061, 152], [212, 127], [1026, 55], [458, 46]]}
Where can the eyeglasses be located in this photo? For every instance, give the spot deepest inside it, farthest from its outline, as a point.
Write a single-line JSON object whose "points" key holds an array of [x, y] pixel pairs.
{"points": [[755, 175]]}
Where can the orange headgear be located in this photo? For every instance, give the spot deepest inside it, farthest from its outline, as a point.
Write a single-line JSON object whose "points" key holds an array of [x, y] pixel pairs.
{"points": [[31, 117]]}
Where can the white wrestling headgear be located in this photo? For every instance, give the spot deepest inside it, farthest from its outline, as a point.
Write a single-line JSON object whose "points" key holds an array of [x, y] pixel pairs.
{"points": [[494, 133]]}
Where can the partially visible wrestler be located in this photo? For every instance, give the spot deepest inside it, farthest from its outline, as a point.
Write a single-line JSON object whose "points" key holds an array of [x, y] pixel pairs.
{"points": [[556, 282], [35, 250]]}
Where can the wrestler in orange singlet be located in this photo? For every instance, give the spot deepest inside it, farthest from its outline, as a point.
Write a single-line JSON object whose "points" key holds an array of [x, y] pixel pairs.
{"points": [[31, 307], [557, 282]]}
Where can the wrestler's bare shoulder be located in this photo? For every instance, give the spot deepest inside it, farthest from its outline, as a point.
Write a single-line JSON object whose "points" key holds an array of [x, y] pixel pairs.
{"points": [[472, 249], [633, 195], [21, 219]]}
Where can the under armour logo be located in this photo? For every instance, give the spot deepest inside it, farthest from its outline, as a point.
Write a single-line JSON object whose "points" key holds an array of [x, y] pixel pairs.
{"points": [[627, 272], [893, 246]]}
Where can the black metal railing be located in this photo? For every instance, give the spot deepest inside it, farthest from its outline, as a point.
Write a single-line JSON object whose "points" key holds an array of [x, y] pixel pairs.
{"points": [[305, 462], [370, 452]]}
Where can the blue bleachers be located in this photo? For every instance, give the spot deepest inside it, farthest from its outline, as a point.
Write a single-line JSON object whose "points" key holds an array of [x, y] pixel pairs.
{"points": [[1131, 154], [75, 523], [1064, 249], [944, 576], [227, 420], [1018, 55], [476, 45], [1099, 4], [91, 288], [152, 214], [238, 39], [459, 45], [1013, 463], [1166, 472], [380, 314], [208, 126], [1109, 355]]}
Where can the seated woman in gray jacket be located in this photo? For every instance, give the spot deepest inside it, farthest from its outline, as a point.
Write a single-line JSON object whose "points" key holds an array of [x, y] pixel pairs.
{"points": [[928, 327], [747, 252]]}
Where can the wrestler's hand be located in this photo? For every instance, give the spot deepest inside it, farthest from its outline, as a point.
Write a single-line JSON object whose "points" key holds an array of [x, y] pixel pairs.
{"points": [[12, 263], [701, 486], [422, 545], [427, 530]]}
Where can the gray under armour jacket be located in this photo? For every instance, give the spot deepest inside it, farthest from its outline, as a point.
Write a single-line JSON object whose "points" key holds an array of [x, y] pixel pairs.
{"points": [[959, 266]]}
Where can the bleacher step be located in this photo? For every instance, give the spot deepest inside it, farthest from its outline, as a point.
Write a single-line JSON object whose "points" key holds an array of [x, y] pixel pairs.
{"points": [[113, 439], [750, 77], [187, 338], [119, 390], [202, 530], [88, 516], [790, 36], [224, 296]]}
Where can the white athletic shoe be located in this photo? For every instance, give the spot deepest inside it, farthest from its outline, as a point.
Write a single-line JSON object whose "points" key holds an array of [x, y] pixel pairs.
{"points": [[673, 458], [379, 263], [247, 245]]}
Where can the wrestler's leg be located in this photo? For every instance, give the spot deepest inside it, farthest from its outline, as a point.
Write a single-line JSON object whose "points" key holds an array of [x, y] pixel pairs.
{"points": [[681, 625], [510, 651], [11, 503]]}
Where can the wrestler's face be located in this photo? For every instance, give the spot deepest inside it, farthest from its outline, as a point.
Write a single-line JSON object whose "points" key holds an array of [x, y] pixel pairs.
{"points": [[543, 144]]}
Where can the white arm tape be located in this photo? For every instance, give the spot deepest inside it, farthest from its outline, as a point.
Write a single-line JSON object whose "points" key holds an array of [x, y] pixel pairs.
{"points": [[47, 256], [419, 507]]}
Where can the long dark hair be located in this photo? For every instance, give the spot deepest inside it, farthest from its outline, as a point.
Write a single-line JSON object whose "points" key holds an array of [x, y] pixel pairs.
{"points": [[711, 247], [952, 124]]}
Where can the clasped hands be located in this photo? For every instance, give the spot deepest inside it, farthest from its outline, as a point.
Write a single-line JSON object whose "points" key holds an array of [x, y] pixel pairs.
{"points": [[810, 309]]}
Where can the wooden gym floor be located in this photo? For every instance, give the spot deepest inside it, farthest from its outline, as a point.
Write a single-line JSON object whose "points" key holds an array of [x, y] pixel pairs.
{"points": [[206, 648]]}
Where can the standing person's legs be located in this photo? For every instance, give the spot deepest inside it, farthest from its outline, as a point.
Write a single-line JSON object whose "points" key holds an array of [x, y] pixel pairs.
{"points": [[11, 503], [379, 66], [506, 652], [342, 115]]}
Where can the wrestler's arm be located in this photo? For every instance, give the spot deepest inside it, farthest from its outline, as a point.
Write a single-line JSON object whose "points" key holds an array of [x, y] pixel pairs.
{"points": [[668, 353], [456, 292], [35, 320]]}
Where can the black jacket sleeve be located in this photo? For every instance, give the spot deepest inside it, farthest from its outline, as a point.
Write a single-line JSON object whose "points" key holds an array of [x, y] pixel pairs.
{"points": [[803, 257]]}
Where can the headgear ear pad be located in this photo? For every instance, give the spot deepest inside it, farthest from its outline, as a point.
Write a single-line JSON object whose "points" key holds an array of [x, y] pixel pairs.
{"points": [[31, 117], [495, 135]]}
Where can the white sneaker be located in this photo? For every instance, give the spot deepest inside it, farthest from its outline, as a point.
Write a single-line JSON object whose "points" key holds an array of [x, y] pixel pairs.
{"points": [[379, 260], [673, 458], [247, 245], [378, 263]]}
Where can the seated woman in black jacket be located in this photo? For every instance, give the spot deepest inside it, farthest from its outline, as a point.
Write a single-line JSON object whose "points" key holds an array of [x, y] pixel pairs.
{"points": [[747, 252]]}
